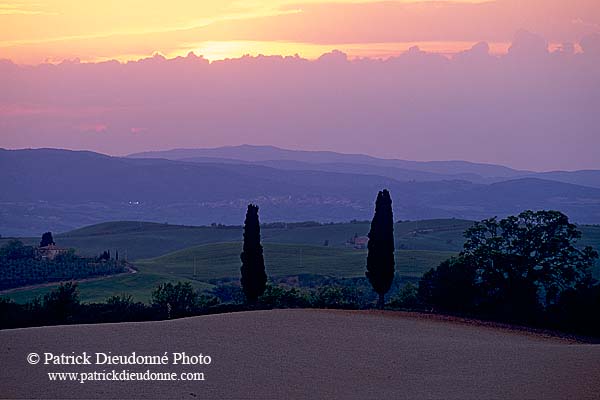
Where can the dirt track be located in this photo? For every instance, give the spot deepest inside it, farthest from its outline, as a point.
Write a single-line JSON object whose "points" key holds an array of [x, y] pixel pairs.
{"points": [[310, 354], [130, 270]]}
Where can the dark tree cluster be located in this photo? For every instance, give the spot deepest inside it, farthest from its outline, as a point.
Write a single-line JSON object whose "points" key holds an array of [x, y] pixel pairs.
{"points": [[520, 268]]}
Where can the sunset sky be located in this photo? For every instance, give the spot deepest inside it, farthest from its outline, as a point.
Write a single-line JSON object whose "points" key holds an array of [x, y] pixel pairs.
{"points": [[505, 81], [34, 31]]}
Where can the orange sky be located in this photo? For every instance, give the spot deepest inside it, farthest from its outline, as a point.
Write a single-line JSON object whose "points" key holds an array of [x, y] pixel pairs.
{"points": [[34, 31]]}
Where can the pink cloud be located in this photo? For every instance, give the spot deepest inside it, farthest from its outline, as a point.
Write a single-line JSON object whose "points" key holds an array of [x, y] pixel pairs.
{"points": [[137, 130], [96, 128], [531, 108], [17, 110]]}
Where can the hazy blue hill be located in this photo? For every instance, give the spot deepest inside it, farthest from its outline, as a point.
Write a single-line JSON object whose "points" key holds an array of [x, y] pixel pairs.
{"points": [[56, 175], [583, 177], [400, 174], [257, 153], [402, 170], [52, 175], [270, 153], [536, 188], [59, 190], [525, 192]]}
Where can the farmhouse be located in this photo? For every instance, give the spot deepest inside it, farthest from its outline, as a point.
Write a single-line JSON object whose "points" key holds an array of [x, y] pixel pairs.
{"points": [[361, 242], [51, 251], [358, 242]]}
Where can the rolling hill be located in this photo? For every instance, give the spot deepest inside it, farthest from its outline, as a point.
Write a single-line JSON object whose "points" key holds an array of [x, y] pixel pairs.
{"points": [[328, 161], [139, 240], [222, 260], [200, 254], [201, 264], [59, 190], [402, 170], [270, 153]]}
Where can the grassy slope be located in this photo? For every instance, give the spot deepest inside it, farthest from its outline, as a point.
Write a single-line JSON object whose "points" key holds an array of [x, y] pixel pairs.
{"points": [[222, 260], [138, 285], [142, 240], [167, 252]]}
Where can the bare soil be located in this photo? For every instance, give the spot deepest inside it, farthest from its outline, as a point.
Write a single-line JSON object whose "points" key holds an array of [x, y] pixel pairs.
{"points": [[311, 354]]}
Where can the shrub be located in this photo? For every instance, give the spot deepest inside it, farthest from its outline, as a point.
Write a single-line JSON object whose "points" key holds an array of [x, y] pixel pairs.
{"points": [[450, 286], [280, 297], [179, 300], [175, 301], [408, 297], [62, 304], [228, 293]]}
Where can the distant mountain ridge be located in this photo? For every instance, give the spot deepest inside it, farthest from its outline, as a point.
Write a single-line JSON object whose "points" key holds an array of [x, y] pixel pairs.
{"points": [[402, 170], [252, 153], [58, 190]]}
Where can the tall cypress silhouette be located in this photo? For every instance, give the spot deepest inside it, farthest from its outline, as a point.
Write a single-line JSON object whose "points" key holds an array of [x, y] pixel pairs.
{"points": [[254, 277], [380, 260]]}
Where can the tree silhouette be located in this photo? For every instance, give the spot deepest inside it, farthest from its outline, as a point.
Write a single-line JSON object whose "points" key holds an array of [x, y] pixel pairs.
{"points": [[105, 256], [254, 277], [61, 304], [380, 260], [47, 239], [175, 300], [536, 247], [514, 268]]}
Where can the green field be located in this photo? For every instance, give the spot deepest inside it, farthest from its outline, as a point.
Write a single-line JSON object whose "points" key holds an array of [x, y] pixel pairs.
{"points": [[202, 263], [138, 285], [164, 252], [222, 260], [141, 240]]}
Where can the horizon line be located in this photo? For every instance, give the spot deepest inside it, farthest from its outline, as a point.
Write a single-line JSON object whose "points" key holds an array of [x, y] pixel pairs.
{"points": [[125, 155]]}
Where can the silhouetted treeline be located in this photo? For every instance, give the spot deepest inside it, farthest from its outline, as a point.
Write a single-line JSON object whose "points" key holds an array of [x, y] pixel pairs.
{"points": [[577, 313], [169, 300]]}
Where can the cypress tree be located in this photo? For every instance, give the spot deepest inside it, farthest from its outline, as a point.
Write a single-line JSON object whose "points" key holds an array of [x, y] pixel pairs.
{"points": [[254, 277], [46, 239], [380, 260]]}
